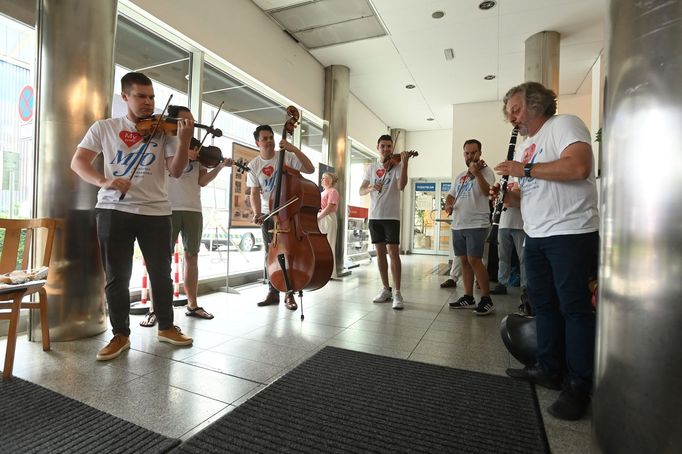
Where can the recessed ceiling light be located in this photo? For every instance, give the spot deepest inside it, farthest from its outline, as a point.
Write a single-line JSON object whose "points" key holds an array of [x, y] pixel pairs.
{"points": [[487, 4], [430, 119], [438, 14], [490, 77], [409, 86]]}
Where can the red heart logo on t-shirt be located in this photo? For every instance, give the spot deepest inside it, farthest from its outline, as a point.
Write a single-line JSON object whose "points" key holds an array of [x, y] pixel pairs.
{"points": [[528, 154], [381, 172], [268, 171], [129, 138]]}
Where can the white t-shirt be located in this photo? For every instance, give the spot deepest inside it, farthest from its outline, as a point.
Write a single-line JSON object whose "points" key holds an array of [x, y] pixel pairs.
{"points": [[511, 217], [472, 208], [384, 204], [184, 193], [263, 173], [121, 145], [552, 208]]}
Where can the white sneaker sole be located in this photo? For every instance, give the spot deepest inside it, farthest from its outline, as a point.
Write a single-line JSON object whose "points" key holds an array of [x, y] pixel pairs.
{"points": [[113, 355], [388, 300], [174, 342], [492, 309]]}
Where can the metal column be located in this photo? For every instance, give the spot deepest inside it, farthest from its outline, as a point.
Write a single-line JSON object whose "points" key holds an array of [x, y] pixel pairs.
{"points": [[638, 376], [74, 86], [335, 142]]}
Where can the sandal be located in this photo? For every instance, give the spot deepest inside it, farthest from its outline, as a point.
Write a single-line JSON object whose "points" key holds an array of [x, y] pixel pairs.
{"points": [[198, 312], [149, 320]]}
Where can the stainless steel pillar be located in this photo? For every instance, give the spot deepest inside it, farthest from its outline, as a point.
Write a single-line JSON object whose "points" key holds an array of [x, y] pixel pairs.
{"points": [[542, 59], [638, 381], [74, 86], [335, 142]]}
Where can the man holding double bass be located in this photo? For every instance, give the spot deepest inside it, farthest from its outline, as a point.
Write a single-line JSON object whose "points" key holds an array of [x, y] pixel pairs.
{"points": [[261, 180], [558, 201]]}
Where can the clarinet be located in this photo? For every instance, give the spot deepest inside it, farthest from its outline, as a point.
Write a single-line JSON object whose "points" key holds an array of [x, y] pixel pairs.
{"points": [[499, 202]]}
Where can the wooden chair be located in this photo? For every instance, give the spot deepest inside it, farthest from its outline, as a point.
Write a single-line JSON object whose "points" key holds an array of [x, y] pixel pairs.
{"points": [[12, 257]]}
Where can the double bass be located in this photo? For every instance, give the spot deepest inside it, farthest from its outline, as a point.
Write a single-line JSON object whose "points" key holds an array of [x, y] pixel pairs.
{"points": [[299, 257]]}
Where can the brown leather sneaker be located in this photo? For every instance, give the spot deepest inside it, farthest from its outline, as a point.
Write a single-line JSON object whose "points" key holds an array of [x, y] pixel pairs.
{"points": [[290, 302], [114, 348], [272, 298], [174, 336]]}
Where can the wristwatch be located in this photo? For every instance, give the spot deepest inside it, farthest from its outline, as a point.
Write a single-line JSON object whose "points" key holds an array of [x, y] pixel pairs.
{"points": [[527, 168]]}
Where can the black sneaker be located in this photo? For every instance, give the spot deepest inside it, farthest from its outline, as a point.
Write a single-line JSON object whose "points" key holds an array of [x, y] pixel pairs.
{"points": [[485, 306], [536, 375], [499, 289], [464, 302], [571, 405]]}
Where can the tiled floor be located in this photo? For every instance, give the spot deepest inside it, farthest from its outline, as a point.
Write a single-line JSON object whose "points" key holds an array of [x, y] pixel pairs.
{"points": [[177, 391]]}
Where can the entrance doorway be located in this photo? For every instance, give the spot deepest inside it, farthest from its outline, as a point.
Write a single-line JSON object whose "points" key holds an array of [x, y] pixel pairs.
{"points": [[430, 223]]}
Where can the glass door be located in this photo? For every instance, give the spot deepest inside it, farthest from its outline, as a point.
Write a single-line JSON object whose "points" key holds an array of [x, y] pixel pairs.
{"points": [[430, 231]]}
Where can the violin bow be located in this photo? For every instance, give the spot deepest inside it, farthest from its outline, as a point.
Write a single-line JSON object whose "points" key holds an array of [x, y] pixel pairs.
{"points": [[146, 144], [211, 125]]}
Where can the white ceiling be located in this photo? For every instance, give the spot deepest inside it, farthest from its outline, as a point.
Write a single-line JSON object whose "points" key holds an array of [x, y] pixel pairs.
{"points": [[484, 42]]}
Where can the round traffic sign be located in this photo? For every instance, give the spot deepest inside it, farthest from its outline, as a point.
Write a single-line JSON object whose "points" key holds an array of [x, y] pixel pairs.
{"points": [[26, 100]]}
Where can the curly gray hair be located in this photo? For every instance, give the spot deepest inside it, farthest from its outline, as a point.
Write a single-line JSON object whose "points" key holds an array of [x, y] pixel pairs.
{"points": [[539, 100]]}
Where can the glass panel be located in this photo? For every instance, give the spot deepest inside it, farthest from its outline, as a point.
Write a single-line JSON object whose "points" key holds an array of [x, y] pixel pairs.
{"points": [[424, 237], [17, 116], [138, 49], [243, 110], [311, 146]]}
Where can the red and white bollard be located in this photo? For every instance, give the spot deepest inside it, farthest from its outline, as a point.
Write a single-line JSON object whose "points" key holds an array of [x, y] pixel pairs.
{"points": [[177, 300], [141, 307], [145, 283]]}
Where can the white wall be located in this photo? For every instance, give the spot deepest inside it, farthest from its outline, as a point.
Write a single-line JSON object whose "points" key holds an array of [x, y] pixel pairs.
{"points": [[363, 125], [482, 121]]}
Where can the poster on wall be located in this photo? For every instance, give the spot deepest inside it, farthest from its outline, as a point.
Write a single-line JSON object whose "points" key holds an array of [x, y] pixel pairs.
{"points": [[241, 214], [323, 168]]}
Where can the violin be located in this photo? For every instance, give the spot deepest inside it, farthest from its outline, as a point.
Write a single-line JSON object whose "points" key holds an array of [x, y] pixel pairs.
{"points": [[210, 156], [169, 125], [396, 158]]}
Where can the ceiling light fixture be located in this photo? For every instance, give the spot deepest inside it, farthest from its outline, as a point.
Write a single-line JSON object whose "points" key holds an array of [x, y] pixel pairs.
{"points": [[486, 5], [449, 54], [430, 119], [490, 77], [438, 14], [409, 86]]}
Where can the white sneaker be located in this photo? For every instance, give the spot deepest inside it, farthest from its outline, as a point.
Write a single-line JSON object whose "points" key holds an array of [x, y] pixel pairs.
{"points": [[384, 296], [398, 301]]}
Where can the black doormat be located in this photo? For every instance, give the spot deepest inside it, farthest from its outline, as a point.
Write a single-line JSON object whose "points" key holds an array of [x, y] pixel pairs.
{"points": [[34, 419], [346, 401]]}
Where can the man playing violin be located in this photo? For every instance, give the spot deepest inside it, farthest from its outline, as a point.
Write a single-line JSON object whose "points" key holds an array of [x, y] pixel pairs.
{"points": [[261, 180], [184, 194], [383, 181], [468, 203], [134, 207]]}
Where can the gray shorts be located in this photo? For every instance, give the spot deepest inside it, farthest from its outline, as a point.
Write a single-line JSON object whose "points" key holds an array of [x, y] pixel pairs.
{"points": [[190, 223], [469, 242]]}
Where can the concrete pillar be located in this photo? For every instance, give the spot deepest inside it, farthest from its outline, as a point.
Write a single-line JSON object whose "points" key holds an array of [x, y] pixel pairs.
{"points": [[335, 144], [638, 375], [75, 83], [542, 59]]}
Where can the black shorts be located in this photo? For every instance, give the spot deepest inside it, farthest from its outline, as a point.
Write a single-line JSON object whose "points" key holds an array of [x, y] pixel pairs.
{"points": [[384, 231]]}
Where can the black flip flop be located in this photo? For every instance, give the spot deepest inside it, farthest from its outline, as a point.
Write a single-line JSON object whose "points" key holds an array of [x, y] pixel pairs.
{"points": [[195, 313]]}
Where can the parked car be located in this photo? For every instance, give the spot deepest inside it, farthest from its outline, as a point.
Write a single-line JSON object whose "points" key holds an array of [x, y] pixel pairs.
{"points": [[244, 239]]}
